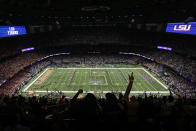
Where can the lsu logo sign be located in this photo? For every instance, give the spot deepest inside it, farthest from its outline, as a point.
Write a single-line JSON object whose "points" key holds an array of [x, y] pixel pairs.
{"points": [[12, 31], [182, 28]]}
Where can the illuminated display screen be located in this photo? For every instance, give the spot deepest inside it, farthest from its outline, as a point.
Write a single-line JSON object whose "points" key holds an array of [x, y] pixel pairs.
{"points": [[8, 31], [182, 28]]}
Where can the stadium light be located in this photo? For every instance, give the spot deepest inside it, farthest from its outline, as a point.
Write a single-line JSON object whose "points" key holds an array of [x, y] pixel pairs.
{"points": [[164, 48], [27, 49]]}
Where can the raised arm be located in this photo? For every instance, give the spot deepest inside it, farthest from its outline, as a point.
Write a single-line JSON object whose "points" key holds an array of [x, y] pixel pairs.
{"points": [[129, 87], [80, 91]]}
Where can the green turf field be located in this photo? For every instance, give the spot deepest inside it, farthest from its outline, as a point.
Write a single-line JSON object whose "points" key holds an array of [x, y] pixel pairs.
{"points": [[94, 80]]}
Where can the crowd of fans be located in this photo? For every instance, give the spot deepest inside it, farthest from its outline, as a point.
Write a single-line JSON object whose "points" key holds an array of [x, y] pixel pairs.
{"points": [[10, 67], [89, 112], [104, 59], [183, 65], [140, 112], [180, 85], [13, 85]]}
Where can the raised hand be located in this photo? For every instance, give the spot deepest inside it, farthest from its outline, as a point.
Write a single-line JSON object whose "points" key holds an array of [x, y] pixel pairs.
{"points": [[80, 91], [131, 78]]}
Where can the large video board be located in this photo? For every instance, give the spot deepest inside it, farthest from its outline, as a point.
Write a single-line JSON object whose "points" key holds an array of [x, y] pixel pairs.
{"points": [[182, 28], [8, 31]]}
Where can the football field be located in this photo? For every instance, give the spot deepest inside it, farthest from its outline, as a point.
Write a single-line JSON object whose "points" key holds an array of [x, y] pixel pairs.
{"points": [[94, 80]]}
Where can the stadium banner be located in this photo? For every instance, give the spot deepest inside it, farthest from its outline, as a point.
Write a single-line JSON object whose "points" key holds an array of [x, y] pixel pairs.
{"points": [[8, 31], [182, 28]]}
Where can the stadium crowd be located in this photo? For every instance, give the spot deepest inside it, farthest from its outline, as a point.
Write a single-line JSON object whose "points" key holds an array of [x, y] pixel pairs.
{"points": [[106, 26], [180, 85], [10, 67], [89, 112], [183, 65]]}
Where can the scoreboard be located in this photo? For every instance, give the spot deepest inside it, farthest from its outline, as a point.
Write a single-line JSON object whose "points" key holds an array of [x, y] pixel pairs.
{"points": [[182, 28], [8, 31]]}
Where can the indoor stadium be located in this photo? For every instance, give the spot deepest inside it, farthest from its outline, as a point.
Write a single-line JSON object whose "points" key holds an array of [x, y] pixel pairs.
{"points": [[97, 65]]}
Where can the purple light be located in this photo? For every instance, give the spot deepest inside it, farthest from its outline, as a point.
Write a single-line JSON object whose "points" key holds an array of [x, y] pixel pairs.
{"points": [[27, 49], [3, 82], [164, 48], [125, 53], [53, 55]]}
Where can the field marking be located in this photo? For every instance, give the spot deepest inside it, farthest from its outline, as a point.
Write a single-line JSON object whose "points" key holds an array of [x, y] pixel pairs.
{"points": [[43, 77], [35, 80], [121, 79], [96, 68], [109, 78], [123, 76], [134, 92], [101, 91], [105, 80], [80, 76], [140, 81], [95, 76], [155, 79], [146, 81], [115, 78], [105, 83], [61, 78], [71, 78], [85, 76]]}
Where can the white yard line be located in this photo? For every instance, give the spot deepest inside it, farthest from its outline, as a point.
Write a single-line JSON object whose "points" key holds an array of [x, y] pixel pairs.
{"points": [[35, 80], [140, 81], [66, 78], [134, 92], [61, 78], [124, 76], [110, 78], [106, 82], [71, 78], [155, 79], [146, 81], [115, 78], [97, 68], [80, 76], [85, 76], [124, 84]]}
